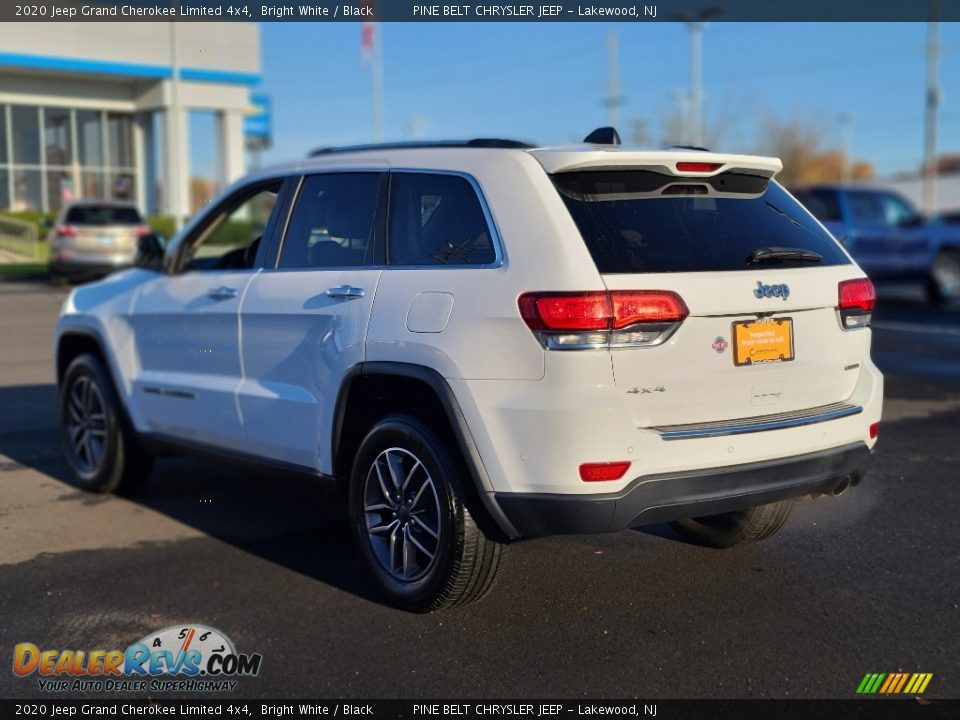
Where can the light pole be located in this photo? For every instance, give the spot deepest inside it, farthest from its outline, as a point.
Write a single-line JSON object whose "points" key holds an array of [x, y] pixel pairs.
{"points": [[175, 153], [930, 112], [695, 22]]}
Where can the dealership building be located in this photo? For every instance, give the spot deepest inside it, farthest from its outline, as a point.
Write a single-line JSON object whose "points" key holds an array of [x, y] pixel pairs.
{"points": [[103, 110]]}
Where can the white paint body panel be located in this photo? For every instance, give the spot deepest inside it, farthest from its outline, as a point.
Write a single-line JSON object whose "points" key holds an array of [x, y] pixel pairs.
{"points": [[281, 349]]}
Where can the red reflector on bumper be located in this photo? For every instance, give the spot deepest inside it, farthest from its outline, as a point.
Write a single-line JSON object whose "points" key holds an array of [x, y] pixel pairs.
{"points": [[874, 428], [592, 472]]}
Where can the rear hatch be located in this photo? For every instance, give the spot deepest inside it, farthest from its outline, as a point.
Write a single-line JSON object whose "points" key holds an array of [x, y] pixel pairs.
{"points": [[756, 330], [103, 229]]}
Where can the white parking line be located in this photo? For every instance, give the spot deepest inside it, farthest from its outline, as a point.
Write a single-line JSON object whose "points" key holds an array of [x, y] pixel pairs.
{"points": [[910, 327]]}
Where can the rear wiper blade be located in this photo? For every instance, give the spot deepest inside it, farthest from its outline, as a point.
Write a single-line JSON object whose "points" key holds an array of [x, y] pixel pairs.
{"points": [[779, 254]]}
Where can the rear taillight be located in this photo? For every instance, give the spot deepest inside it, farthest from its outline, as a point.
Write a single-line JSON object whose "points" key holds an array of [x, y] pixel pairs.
{"points": [[66, 231], [857, 299], [140, 230], [602, 319], [598, 472]]}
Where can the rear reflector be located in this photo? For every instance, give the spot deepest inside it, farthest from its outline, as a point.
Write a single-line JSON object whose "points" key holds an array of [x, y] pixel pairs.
{"points": [[595, 472], [856, 302], [874, 429], [698, 167]]}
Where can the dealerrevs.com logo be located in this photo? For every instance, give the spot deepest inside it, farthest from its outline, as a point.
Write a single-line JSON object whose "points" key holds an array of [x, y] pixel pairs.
{"points": [[190, 658]]}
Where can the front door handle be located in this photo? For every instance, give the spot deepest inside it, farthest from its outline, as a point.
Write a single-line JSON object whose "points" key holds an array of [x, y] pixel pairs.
{"points": [[346, 292], [222, 293]]}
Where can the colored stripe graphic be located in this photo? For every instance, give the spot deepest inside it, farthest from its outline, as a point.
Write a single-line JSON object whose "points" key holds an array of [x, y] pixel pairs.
{"points": [[894, 683]]}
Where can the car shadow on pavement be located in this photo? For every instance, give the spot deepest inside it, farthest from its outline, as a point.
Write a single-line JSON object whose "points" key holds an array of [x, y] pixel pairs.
{"points": [[293, 521]]}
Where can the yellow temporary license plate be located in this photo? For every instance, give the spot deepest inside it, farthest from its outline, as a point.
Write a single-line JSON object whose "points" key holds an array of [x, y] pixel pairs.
{"points": [[763, 341]]}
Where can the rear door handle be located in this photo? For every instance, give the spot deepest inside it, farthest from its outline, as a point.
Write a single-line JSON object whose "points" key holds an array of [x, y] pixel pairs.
{"points": [[346, 292], [222, 293]]}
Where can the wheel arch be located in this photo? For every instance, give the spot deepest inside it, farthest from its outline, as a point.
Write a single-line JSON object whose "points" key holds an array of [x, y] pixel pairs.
{"points": [[371, 390]]}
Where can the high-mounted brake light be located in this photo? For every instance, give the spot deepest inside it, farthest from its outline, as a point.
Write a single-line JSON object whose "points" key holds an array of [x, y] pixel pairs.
{"points": [[594, 472], [600, 319], [698, 167], [857, 299], [66, 230]]}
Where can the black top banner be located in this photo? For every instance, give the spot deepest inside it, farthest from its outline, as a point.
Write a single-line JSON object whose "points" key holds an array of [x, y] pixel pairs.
{"points": [[436, 11]]}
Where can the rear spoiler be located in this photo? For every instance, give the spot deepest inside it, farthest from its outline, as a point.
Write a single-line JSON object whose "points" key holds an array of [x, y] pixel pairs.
{"points": [[678, 164]]}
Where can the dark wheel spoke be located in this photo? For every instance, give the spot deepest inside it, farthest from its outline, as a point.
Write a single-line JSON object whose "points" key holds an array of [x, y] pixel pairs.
{"points": [[400, 502]]}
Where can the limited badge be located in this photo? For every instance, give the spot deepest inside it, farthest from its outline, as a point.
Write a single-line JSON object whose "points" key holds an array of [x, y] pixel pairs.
{"points": [[719, 344]]}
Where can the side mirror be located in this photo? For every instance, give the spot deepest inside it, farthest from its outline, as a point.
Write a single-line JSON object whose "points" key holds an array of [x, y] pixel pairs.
{"points": [[149, 255]]}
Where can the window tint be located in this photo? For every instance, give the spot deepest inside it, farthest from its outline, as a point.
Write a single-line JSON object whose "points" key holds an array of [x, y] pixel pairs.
{"points": [[629, 226], [867, 206], [102, 215], [823, 204], [437, 220], [897, 211], [332, 223]]}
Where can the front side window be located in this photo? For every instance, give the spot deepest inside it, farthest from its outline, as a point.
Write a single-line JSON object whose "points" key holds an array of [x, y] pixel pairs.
{"points": [[332, 224], [231, 238], [437, 220]]}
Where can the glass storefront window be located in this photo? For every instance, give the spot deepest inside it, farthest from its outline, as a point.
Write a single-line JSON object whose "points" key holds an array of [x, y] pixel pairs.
{"points": [[26, 134], [3, 140], [56, 136], [119, 140], [4, 187], [122, 186], [91, 185], [60, 188], [27, 194], [90, 137]]}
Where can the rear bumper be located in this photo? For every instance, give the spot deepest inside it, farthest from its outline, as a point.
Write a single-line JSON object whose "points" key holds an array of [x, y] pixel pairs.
{"points": [[661, 498], [89, 265]]}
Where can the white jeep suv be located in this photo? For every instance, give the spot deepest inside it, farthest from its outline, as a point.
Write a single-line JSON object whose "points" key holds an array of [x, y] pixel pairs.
{"points": [[481, 342]]}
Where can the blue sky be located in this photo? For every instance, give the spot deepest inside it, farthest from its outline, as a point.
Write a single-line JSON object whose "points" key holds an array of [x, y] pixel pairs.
{"points": [[545, 82]]}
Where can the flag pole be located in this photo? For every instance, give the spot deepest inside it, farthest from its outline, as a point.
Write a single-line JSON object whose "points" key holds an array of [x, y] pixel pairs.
{"points": [[376, 71]]}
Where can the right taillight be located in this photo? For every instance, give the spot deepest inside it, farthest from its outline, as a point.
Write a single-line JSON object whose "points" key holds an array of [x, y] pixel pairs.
{"points": [[602, 319], [857, 298]]}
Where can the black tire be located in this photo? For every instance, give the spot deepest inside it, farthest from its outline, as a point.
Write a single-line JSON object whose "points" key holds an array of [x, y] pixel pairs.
{"points": [[944, 282], [740, 527], [464, 561], [110, 460]]}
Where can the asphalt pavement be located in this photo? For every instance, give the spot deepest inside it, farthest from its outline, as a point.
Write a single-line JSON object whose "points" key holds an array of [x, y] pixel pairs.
{"points": [[865, 582]]}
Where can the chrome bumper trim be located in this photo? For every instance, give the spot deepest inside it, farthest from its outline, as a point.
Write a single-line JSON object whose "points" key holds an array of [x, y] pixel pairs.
{"points": [[760, 423]]}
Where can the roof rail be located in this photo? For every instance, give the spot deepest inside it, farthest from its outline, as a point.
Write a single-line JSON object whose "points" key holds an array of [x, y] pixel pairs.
{"points": [[423, 144]]}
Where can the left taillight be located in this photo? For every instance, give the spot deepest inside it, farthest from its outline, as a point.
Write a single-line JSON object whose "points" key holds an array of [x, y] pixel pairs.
{"points": [[856, 301], [602, 319], [66, 231]]}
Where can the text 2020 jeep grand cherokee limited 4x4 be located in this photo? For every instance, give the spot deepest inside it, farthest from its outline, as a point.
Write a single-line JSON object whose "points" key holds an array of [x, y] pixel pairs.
{"points": [[483, 342]]}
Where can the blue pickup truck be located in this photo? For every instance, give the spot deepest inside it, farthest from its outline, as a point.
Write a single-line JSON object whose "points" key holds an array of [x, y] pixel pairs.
{"points": [[888, 237]]}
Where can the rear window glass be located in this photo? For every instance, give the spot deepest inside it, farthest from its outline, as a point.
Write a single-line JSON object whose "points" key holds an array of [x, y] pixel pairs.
{"points": [[103, 215], [437, 220], [638, 221]]}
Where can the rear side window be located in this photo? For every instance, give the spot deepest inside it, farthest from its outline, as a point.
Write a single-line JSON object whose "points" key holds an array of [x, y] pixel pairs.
{"points": [[332, 222], [102, 215], [637, 221], [823, 204], [437, 220]]}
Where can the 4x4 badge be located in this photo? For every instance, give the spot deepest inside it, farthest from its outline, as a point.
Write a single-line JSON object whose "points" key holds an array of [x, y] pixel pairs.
{"points": [[765, 291]]}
